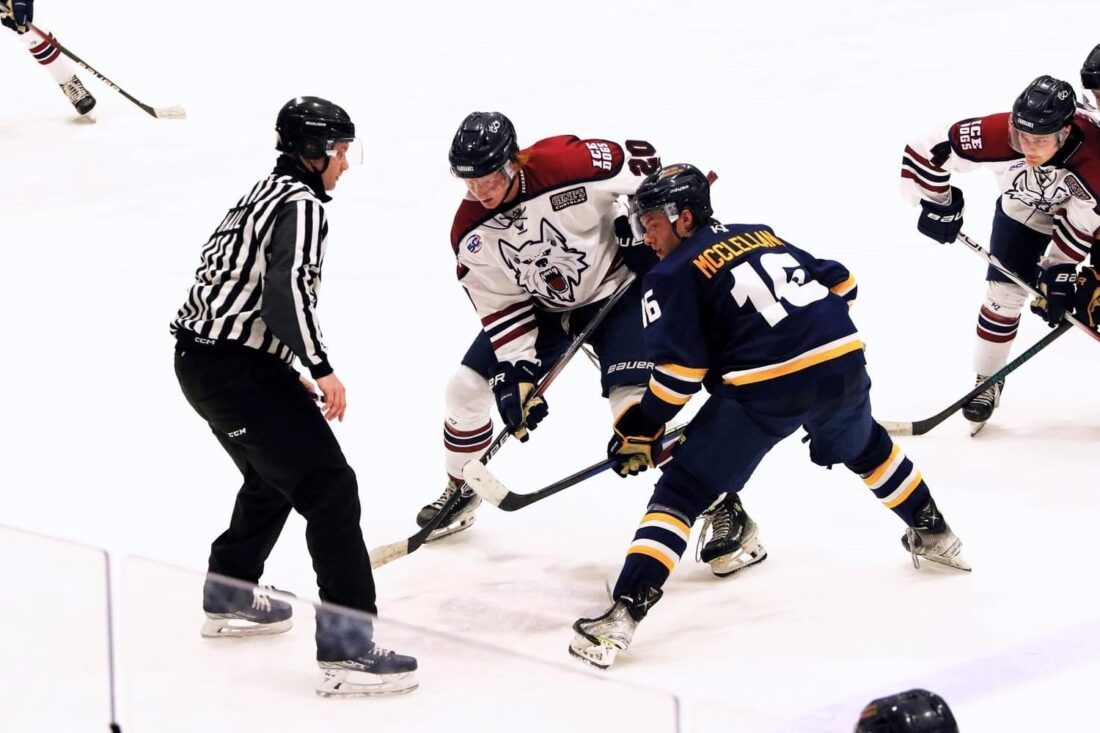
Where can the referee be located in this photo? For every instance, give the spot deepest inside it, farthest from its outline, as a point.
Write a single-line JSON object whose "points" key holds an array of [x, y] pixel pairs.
{"points": [[251, 310]]}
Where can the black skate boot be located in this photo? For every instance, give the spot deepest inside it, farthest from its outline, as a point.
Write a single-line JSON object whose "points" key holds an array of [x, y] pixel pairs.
{"points": [[733, 544], [353, 664], [599, 640], [81, 98], [232, 611], [933, 540], [460, 516], [980, 408]]}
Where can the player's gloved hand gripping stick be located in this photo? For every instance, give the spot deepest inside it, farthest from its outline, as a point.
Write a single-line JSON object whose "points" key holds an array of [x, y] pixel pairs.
{"points": [[384, 554]]}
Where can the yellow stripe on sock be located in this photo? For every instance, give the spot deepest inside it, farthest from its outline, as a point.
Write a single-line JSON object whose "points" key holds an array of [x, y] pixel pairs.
{"points": [[874, 476], [908, 490], [668, 518], [650, 552]]}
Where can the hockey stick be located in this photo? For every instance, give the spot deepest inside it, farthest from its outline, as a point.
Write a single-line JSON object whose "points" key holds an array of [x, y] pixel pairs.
{"points": [[920, 427], [490, 488], [384, 554], [174, 112], [996, 263]]}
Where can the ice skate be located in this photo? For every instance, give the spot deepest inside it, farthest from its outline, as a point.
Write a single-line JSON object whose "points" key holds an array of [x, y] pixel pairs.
{"points": [[236, 612], [733, 544], [933, 540], [377, 673], [460, 517], [81, 98], [979, 409], [599, 640]]}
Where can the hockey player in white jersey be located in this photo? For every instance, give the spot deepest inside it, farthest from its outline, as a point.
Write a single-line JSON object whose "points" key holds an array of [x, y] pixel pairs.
{"points": [[18, 15], [541, 241], [1045, 156]]}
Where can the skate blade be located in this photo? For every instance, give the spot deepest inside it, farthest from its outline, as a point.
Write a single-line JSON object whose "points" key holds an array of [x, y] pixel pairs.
{"points": [[224, 628], [451, 529], [727, 565], [338, 683], [975, 428], [598, 657], [956, 563]]}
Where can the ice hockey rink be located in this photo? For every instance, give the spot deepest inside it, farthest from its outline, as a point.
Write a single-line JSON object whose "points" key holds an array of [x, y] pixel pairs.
{"points": [[802, 110]]}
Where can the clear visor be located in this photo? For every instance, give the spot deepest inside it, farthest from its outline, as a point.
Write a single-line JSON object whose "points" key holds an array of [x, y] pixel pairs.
{"points": [[490, 186], [350, 150], [669, 210], [1028, 143]]}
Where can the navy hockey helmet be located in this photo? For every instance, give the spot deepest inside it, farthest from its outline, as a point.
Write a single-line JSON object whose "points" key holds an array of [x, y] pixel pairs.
{"points": [[672, 189], [311, 127], [1090, 70], [1046, 106], [485, 143], [914, 711]]}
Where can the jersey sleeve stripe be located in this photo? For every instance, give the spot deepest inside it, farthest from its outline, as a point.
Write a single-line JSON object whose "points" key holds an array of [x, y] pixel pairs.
{"points": [[670, 396], [515, 333], [823, 353], [845, 287], [917, 158], [683, 373], [490, 319], [1073, 243], [510, 323], [926, 186]]}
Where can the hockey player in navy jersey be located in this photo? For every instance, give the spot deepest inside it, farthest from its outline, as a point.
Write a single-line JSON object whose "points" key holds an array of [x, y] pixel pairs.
{"points": [[540, 245], [1045, 155], [764, 327]]}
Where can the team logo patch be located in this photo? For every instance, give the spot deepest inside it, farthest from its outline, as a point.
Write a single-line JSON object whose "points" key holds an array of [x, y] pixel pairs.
{"points": [[546, 267], [572, 197], [473, 244], [1076, 189], [1034, 191]]}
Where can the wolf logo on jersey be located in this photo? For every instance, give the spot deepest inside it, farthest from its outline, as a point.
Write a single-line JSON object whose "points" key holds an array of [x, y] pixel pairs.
{"points": [[546, 267], [1034, 193]]}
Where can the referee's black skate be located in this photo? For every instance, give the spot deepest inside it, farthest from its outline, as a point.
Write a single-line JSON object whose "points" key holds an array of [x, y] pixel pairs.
{"points": [[80, 97], [460, 517], [233, 612], [980, 408], [734, 543], [375, 673]]}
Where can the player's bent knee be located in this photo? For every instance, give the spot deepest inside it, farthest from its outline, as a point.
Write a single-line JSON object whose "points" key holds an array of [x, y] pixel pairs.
{"points": [[468, 392], [1005, 298], [875, 454]]}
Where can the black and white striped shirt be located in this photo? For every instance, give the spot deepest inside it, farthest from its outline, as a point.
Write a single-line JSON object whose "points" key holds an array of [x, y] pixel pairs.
{"points": [[261, 270]]}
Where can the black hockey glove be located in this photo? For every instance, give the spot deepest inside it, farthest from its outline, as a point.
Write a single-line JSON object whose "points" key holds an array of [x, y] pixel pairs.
{"points": [[19, 14], [942, 222], [1086, 301], [512, 386], [1056, 283], [636, 444]]}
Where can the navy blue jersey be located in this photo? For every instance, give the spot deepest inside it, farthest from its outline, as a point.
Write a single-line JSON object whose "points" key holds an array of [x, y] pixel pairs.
{"points": [[737, 309]]}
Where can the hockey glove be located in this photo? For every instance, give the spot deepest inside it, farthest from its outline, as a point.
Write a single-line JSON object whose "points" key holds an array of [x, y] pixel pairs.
{"points": [[19, 14], [636, 443], [1086, 300], [512, 386], [1056, 283], [637, 256], [942, 222]]}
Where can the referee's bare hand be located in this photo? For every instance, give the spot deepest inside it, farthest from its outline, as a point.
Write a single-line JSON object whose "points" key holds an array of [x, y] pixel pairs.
{"points": [[336, 401]]}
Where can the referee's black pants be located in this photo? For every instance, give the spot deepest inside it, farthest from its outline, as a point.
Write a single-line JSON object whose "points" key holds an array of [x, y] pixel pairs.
{"points": [[271, 428]]}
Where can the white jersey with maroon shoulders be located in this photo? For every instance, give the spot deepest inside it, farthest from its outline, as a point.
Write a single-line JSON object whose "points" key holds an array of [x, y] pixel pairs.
{"points": [[553, 247], [1058, 199]]}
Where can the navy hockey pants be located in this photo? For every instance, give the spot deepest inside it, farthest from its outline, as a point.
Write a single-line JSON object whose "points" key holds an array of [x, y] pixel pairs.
{"points": [[1019, 248]]}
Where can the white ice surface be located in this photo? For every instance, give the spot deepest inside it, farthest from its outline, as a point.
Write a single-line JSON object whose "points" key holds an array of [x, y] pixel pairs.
{"points": [[802, 109]]}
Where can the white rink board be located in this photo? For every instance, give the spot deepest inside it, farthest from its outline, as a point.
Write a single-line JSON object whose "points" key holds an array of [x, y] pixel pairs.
{"points": [[803, 112]]}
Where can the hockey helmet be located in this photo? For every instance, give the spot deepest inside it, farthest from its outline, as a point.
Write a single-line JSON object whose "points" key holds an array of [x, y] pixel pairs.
{"points": [[672, 189], [913, 711], [1090, 70], [1046, 106], [311, 127], [485, 143]]}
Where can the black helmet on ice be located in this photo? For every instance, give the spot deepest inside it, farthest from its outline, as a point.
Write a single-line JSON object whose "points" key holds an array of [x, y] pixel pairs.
{"points": [[672, 189], [914, 711], [1090, 70]]}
